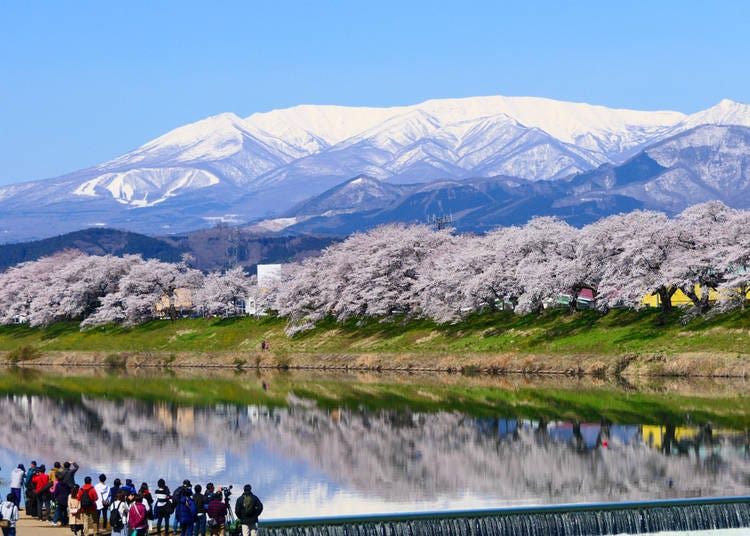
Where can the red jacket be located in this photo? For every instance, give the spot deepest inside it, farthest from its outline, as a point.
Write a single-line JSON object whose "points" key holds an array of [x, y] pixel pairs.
{"points": [[40, 481], [88, 488]]}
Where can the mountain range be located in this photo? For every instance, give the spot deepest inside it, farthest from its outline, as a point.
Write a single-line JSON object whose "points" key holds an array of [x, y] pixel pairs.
{"points": [[483, 160]]}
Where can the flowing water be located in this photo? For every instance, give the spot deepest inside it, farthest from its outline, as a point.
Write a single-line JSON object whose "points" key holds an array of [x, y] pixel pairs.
{"points": [[316, 445]]}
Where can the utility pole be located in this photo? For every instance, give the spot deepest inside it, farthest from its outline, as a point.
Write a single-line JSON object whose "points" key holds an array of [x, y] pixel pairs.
{"points": [[233, 251], [441, 222]]}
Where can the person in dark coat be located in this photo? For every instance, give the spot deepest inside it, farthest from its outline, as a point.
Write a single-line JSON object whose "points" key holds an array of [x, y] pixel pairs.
{"points": [[69, 473], [62, 492], [185, 512], [178, 493], [30, 490], [248, 507], [200, 508]]}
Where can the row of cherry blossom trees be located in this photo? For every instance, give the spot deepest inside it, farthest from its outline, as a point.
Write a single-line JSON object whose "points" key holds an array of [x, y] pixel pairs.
{"points": [[106, 289], [415, 271]]}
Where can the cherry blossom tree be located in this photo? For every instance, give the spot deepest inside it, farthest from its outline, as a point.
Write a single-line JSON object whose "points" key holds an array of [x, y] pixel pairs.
{"points": [[27, 283], [547, 263], [74, 287], [474, 273], [644, 266], [600, 247], [300, 298], [222, 293], [368, 274], [696, 264], [736, 256], [439, 289], [138, 291]]}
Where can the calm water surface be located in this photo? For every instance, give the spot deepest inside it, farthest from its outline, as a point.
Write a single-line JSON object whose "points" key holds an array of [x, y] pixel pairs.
{"points": [[307, 456]]}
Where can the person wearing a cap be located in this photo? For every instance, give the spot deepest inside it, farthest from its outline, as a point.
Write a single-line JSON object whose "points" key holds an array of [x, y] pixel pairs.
{"points": [[248, 507], [180, 490], [185, 511], [16, 483]]}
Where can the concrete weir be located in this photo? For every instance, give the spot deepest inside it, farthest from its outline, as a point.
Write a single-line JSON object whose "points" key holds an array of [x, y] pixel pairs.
{"points": [[645, 517]]}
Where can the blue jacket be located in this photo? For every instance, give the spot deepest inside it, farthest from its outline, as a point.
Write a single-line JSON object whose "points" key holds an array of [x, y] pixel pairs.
{"points": [[185, 509]]}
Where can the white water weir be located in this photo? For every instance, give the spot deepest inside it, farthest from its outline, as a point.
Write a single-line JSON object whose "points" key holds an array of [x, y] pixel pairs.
{"points": [[648, 517]]}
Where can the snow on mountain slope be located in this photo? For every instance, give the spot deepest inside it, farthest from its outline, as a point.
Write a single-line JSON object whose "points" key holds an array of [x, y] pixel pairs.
{"points": [[717, 156], [535, 155], [708, 162], [174, 163], [211, 139], [726, 112], [597, 128], [147, 187], [317, 127]]}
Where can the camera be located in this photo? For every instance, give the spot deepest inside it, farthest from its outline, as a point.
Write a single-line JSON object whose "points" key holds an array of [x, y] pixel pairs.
{"points": [[227, 491]]}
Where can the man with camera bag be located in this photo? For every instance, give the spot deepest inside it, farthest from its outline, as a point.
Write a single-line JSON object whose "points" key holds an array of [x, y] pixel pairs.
{"points": [[248, 508]]}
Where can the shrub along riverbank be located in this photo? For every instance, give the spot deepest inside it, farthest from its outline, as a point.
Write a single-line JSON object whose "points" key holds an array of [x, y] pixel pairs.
{"points": [[620, 342]]}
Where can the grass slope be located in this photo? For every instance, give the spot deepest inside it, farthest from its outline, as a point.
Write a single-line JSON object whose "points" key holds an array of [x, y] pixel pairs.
{"points": [[500, 342]]}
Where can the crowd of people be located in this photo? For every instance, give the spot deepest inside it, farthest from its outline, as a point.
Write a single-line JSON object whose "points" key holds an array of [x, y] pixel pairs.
{"points": [[55, 497]]}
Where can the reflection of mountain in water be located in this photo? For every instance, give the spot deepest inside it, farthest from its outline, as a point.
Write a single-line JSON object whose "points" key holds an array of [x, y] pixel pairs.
{"points": [[386, 455]]}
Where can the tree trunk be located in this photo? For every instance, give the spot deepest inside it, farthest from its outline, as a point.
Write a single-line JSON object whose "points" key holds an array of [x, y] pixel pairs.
{"points": [[665, 299], [573, 303], [700, 302]]}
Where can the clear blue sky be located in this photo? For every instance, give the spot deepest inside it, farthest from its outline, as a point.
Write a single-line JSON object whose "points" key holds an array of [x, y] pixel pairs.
{"points": [[83, 82]]}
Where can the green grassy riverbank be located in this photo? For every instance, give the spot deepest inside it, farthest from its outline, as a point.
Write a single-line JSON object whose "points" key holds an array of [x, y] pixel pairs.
{"points": [[620, 342]]}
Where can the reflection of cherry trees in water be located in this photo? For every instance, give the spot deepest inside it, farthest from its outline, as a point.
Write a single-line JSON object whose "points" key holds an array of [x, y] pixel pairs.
{"points": [[385, 454]]}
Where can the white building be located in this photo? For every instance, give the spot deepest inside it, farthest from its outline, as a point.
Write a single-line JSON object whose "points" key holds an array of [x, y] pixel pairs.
{"points": [[268, 274]]}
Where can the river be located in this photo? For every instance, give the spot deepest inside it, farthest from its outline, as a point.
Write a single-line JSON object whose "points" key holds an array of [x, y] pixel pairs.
{"points": [[315, 444]]}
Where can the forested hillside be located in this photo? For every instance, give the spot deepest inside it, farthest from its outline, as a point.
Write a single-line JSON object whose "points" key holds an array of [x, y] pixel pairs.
{"points": [[210, 249]]}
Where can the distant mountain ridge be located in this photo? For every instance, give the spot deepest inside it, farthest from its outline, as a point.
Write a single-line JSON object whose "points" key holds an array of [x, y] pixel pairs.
{"points": [[704, 163], [230, 169], [209, 249]]}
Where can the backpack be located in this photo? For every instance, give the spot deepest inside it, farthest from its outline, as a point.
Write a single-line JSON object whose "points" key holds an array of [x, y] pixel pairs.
{"points": [[115, 518], [247, 504], [251, 506], [86, 502]]}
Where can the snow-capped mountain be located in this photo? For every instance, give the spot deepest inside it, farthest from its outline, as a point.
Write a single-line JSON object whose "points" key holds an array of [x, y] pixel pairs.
{"points": [[241, 169]]}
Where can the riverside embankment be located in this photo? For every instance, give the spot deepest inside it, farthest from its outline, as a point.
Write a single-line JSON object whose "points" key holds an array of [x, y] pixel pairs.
{"points": [[621, 343]]}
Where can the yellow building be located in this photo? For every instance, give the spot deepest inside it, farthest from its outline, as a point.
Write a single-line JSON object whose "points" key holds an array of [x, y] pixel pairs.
{"points": [[679, 298]]}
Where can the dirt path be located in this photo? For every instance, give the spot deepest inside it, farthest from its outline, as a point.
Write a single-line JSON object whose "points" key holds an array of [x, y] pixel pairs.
{"points": [[31, 526]]}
